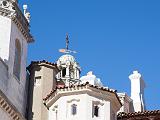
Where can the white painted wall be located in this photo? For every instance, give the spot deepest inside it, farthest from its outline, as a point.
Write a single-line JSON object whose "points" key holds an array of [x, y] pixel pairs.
{"points": [[126, 103], [92, 79], [5, 30], [137, 91], [17, 88], [14, 89], [4, 115], [84, 104], [3, 76]]}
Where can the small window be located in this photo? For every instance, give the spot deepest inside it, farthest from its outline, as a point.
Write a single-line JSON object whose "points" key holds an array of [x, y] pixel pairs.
{"points": [[64, 72], [37, 81], [74, 109], [96, 111]]}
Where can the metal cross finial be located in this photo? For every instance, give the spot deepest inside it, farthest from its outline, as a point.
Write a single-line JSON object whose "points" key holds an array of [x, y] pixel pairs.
{"points": [[67, 42]]}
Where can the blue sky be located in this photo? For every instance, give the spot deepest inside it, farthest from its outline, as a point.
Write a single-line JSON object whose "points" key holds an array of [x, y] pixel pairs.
{"points": [[112, 39]]}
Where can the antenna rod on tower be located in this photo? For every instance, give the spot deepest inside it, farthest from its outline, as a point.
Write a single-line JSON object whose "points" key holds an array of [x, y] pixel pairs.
{"points": [[66, 50], [67, 42]]}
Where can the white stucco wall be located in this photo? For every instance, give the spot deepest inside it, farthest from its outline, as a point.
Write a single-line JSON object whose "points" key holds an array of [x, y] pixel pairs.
{"points": [[125, 108], [17, 88], [14, 89], [5, 30], [4, 115], [137, 91], [84, 104], [92, 79], [3, 76], [126, 103]]}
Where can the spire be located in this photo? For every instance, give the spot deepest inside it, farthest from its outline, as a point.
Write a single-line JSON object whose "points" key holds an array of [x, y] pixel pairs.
{"points": [[67, 41], [66, 50], [69, 69]]}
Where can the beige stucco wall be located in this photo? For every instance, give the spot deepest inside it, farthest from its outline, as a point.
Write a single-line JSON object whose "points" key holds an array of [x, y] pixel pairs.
{"points": [[38, 91], [49, 82]]}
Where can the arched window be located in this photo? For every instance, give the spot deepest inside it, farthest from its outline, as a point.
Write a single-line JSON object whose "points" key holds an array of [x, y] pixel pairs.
{"points": [[74, 109], [17, 59]]}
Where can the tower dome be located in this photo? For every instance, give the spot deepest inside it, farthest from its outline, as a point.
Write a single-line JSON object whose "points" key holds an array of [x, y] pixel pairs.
{"points": [[69, 70], [65, 60]]}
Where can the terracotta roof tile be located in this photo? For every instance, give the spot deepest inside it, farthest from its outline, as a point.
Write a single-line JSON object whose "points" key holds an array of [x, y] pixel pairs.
{"points": [[81, 85], [138, 114], [39, 62]]}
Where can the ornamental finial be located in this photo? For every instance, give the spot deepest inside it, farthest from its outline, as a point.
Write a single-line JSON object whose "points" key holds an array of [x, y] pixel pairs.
{"points": [[26, 13]]}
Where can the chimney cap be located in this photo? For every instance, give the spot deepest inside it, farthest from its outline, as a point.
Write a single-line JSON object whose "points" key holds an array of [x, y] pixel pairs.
{"points": [[135, 75]]}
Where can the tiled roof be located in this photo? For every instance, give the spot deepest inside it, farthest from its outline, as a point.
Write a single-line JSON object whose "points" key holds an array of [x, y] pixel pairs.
{"points": [[39, 62], [82, 85], [123, 115]]}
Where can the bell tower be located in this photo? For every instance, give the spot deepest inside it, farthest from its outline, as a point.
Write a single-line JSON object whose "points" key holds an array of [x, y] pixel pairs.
{"points": [[69, 69], [14, 39]]}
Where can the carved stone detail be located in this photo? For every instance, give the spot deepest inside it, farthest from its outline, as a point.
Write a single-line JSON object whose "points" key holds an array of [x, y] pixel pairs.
{"points": [[72, 100], [4, 105], [98, 103], [11, 10]]}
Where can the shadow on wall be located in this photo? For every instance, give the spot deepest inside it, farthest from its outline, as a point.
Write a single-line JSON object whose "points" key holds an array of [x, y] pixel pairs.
{"points": [[30, 83]]}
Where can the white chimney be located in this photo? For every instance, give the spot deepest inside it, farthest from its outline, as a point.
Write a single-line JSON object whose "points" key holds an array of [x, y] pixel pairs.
{"points": [[137, 91]]}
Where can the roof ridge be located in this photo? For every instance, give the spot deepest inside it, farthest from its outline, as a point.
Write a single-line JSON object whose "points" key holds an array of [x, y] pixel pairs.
{"points": [[41, 61], [80, 85]]}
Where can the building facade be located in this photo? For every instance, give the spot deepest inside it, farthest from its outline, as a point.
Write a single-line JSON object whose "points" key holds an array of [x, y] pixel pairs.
{"points": [[56, 91], [60, 93], [14, 39]]}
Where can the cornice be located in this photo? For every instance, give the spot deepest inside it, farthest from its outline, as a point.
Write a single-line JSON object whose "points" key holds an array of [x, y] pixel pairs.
{"points": [[12, 11], [8, 108], [82, 87]]}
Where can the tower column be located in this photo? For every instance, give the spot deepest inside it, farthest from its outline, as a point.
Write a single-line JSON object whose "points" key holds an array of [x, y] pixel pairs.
{"points": [[67, 72], [75, 74], [78, 74]]}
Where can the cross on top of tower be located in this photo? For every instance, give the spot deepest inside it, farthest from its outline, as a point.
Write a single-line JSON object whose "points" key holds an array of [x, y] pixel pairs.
{"points": [[66, 50]]}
